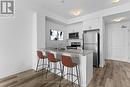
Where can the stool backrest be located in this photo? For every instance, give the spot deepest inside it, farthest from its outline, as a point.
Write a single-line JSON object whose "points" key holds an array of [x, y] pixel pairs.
{"points": [[67, 61], [51, 57], [40, 55]]}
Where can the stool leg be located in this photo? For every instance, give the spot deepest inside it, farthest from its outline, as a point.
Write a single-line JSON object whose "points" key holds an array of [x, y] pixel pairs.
{"points": [[47, 70], [60, 67], [42, 65], [55, 66], [62, 72], [37, 64], [48, 67], [78, 77], [79, 73], [67, 74], [72, 76]]}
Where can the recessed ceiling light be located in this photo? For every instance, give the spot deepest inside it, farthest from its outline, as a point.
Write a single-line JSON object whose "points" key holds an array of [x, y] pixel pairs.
{"points": [[76, 12], [62, 1], [115, 1], [118, 19]]}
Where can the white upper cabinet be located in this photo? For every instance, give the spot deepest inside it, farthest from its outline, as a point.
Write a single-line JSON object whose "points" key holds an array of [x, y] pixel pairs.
{"points": [[95, 23], [77, 27]]}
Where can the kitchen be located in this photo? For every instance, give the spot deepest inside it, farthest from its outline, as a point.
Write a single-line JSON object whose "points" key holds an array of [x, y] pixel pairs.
{"points": [[77, 33], [93, 39], [71, 41], [73, 36]]}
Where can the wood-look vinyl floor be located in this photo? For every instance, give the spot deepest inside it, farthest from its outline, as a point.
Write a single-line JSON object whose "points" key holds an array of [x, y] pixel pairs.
{"points": [[114, 74], [32, 78]]}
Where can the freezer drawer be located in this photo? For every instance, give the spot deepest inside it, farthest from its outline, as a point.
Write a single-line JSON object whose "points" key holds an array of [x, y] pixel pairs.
{"points": [[95, 53]]}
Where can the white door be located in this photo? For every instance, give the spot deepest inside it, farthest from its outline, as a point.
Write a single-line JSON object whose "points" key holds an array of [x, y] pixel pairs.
{"points": [[119, 44]]}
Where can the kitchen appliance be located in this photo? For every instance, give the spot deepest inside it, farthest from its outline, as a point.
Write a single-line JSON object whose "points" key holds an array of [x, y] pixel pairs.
{"points": [[70, 47], [74, 45], [74, 35], [91, 41]]}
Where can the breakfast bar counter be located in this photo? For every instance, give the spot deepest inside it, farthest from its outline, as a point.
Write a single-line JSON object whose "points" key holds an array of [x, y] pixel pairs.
{"points": [[85, 60]]}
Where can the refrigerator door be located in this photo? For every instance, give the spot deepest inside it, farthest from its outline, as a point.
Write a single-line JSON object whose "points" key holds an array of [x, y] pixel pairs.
{"points": [[90, 37], [91, 43]]}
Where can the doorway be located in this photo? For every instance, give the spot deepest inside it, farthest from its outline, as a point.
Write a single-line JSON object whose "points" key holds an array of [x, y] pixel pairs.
{"points": [[117, 34], [118, 42]]}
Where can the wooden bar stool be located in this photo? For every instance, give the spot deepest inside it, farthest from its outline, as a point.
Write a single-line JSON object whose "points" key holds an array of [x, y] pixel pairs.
{"points": [[67, 62], [53, 60], [41, 57]]}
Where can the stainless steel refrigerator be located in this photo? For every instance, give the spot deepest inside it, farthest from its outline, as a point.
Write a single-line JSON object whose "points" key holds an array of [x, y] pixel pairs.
{"points": [[91, 41]]}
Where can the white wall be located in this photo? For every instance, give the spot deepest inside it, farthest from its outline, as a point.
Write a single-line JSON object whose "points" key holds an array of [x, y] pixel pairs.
{"points": [[34, 42], [93, 23], [16, 43], [40, 30], [118, 40], [55, 26]]}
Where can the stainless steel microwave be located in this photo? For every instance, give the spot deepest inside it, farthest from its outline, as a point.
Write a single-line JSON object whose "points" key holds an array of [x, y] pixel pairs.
{"points": [[74, 35]]}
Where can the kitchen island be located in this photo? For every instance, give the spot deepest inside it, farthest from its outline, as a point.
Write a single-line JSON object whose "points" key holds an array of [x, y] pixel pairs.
{"points": [[85, 60]]}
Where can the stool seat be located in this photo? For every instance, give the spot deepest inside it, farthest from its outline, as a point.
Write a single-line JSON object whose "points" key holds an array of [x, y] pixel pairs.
{"points": [[53, 60], [67, 62], [72, 65], [42, 57]]}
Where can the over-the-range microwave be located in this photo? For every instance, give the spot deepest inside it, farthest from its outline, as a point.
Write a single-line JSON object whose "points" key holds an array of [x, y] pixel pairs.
{"points": [[74, 35]]}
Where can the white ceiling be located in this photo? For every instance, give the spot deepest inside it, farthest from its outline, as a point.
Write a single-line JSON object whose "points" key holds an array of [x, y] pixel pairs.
{"points": [[108, 19], [64, 9], [87, 6]]}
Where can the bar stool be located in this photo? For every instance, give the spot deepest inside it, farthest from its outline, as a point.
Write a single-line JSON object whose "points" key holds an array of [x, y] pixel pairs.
{"points": [[53, 60], [41, 57], [67, 62]]}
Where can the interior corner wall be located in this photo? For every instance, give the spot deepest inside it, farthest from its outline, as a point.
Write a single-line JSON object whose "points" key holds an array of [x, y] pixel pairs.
{"points": [[102, 42], [106, 41], [34, 42], [41, 31]]}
